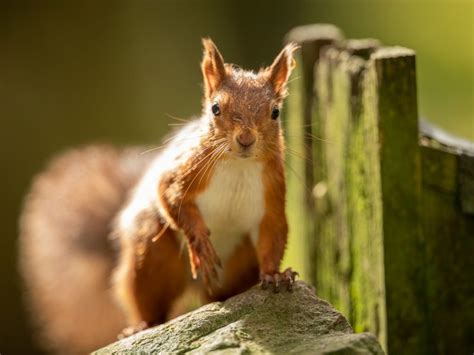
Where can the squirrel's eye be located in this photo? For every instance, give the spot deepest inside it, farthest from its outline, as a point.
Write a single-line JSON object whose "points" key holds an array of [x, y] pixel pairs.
{"points": [[216, 110], [275, 113]]}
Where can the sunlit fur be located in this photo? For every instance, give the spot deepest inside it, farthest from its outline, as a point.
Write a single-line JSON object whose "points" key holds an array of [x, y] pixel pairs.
{"points": [[203, 198], [237, 183], [246, 101], [66, 258], [204, 181]]}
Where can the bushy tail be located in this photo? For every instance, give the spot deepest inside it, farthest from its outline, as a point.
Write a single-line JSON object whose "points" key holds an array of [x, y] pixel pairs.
{"points": [[66, 256]]}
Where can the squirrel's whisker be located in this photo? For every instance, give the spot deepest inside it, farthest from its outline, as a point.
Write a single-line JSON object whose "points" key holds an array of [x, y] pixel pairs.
{"points": [[201, 160], [308, 135], [219, 154], [295, 78], [177, 118], [298, 155], [168, 140], [213, 157], [194, 178]]}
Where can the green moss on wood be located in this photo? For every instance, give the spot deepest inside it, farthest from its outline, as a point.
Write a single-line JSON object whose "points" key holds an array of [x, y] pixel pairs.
{"points": [[391, 243], [349, 263], [299, 159], [365, 201], [401, 183], [295, 165]]}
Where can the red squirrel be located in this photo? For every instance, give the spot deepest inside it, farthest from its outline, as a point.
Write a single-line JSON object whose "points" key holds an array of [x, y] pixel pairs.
{"points": [[213, 198]]}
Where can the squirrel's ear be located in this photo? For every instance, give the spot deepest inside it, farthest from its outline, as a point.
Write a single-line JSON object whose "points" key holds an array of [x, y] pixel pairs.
{"points": [[279, 72], [212, 67]]}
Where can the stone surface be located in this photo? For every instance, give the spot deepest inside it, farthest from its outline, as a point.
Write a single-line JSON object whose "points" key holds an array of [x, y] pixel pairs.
{"points": [[256, 321]]}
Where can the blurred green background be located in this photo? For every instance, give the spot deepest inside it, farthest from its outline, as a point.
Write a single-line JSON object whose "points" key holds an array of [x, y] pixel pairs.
{"points": [[77, 72]]}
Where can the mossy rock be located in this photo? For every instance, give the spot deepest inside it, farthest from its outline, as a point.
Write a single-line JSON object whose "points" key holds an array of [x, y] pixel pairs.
{"points": [[256, 321]]}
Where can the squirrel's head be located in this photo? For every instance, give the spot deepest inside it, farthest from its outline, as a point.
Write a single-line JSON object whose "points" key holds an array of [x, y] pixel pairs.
{"points": [[242, 106]]}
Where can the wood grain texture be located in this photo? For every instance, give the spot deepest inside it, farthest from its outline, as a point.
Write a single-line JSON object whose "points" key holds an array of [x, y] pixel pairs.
{"points": [[389, 245]]}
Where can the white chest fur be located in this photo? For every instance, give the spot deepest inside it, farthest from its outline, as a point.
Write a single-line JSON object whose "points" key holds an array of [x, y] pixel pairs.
{"points": [[233, 203]]}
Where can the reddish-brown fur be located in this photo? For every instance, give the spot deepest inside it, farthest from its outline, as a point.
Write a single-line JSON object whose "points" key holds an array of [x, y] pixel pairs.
{"points": [[242, 266], [151, 269], [274, 228], [66, 258], [246, 101]]}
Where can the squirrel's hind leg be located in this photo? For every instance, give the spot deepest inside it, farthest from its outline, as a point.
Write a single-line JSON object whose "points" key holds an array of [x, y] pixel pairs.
{"points": [[240, 272], [151, 274]]}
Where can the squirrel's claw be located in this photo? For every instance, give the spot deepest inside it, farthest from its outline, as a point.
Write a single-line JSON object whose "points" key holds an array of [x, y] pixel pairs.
{"points": [[204, 260], [276, 280]]}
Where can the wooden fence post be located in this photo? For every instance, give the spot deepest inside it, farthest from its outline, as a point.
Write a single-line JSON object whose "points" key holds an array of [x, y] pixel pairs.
{"points": [[388, 235], [298, 120], [369, 241], [393, 77], [447, 219]]}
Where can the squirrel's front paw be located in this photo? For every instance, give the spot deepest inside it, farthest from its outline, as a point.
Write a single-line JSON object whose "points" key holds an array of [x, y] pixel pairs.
{"points": [[203, 257], [277, 279]]}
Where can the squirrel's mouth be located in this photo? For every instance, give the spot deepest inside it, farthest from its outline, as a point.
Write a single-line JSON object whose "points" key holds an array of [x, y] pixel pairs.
{"points": [[239, 151], [246, 154]]}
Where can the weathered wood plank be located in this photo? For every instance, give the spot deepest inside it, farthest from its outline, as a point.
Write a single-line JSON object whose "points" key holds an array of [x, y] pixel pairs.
{"points": [[466, 183], [334, 87], [312, 39], [391, 243], [397, 114], [367, 108], [349, 262], [365, 210], [448, 231]]}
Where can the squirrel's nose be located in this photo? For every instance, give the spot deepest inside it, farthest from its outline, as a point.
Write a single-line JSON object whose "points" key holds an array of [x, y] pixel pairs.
{"points": [[246, 139]]}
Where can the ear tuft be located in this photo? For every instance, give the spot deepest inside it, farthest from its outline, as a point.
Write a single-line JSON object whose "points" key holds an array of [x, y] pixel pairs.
{"points": [[279, 72], [212, 66]]}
